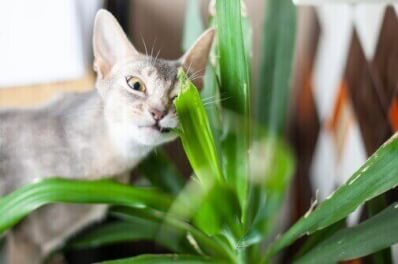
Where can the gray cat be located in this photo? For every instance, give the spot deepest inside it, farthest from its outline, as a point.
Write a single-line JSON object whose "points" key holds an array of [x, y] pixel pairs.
{"points": [[92, 135]]}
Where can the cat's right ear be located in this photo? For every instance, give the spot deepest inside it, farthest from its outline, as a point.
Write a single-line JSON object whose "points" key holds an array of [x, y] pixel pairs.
{"points": [[110, 43], [194, 61]]}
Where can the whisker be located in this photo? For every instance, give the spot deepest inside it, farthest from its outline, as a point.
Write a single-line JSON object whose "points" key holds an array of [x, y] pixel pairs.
{"points": [[209, 98], [189, 69], [153, 46], [143, 42], [196, 77], [216, 101], [157, 55]]}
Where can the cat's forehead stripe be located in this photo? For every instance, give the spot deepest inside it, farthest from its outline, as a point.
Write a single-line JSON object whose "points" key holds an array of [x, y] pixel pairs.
{"points": [[166, 69]]}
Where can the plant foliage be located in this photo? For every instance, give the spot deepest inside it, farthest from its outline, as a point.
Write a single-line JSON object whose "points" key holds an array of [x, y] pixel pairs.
{"points": [[242, 167]]}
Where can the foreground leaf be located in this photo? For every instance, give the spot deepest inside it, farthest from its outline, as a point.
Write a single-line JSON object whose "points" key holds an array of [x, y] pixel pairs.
{"points": [[195, 133], [218, 211], [164, 259], [378, 175], [23, 201], [376, 233], [271, 169]]}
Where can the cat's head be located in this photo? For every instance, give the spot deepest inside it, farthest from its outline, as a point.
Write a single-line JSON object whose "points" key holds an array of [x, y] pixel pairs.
{"points": [[138, 90]]}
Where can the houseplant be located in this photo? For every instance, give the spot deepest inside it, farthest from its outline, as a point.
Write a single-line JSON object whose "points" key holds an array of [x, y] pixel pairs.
{"points": [[228, 211]]}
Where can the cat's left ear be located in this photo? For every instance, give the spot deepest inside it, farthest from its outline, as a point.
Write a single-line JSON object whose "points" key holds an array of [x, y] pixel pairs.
{"points": [[110, 43], [194, 61]]}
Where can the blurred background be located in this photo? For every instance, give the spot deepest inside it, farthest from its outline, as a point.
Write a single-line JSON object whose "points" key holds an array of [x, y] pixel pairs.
{"points": [[344, 97]]}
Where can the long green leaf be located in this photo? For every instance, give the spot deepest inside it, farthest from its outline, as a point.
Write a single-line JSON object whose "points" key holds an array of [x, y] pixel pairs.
{"points": [[378, 175], [376, 233], [195, 133], [234, 74], [20, 203], [161, 172], [164, 259], [273, 87], [234, 67]]}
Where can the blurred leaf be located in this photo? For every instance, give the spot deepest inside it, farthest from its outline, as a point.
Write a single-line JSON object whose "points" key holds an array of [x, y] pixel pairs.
{"points": [[193, 25], [271, 169], [219, 210], [235, 94], [161, 172], [199, 241], [272, 93], [115, 232], [195, 133], [374, 234], [164, 259], [23, 201], [111, 233], [234, 155], [378, 175]]}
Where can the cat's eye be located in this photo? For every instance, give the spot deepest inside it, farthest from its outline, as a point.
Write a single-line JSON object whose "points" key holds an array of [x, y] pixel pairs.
{"points": [[135, 83]]}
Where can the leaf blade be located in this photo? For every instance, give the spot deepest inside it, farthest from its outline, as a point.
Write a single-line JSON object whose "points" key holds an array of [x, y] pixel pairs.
{"points": [[233, 66], [378, 175], [374, 234], [16, 205], [195, 132], [276, 65]]}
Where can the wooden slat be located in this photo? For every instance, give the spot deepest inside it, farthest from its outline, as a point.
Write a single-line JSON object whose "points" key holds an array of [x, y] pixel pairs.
{"points": [[365, 99]]}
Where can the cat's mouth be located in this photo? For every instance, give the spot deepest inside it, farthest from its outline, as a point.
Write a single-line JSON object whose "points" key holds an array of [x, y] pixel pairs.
{"points": [[159, 128]]}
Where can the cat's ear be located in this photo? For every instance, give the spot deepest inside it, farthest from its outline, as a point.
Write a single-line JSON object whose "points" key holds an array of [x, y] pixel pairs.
{"points": [[194, 61], [110, 43]]}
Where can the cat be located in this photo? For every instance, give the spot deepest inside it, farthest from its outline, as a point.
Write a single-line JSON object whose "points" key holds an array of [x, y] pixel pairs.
{"points": [[100, 133]]}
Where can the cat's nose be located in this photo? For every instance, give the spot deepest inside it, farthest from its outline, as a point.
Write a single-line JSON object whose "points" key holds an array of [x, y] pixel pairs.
{"points": [[157, 114]]}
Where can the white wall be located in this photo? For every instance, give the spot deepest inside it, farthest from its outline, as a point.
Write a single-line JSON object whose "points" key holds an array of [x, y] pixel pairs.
{"points": [[43, 41]]}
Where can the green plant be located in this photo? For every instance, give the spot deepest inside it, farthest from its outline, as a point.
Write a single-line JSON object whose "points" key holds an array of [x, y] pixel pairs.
{"points": [[227, 213]]}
